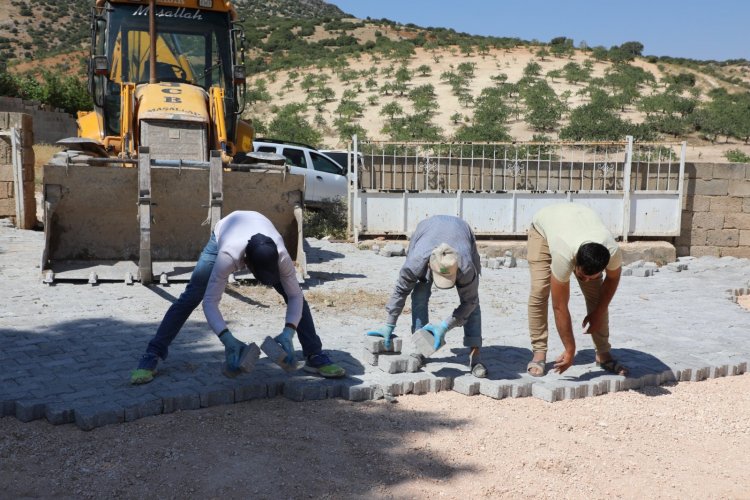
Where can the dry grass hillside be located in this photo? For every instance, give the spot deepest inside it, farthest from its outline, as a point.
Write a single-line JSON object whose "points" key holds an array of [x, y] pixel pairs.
{"points": [[285, 87]]}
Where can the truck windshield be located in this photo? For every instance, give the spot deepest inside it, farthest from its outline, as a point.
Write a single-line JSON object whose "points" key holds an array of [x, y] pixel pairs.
{"points": [[192, 45]]}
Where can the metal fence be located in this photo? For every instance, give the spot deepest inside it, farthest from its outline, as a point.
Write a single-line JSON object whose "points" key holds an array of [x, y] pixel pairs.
{"points": [[496, 187]]}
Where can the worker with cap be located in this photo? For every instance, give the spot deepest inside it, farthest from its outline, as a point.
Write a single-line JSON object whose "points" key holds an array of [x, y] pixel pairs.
{"points": [[241, 240], [442, 252]]}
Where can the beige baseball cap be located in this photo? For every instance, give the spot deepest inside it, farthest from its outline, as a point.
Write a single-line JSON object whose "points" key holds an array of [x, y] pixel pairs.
{"points": [[444, 266]]}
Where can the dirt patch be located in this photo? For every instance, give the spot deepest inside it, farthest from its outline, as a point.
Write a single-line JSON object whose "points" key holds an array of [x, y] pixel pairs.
{"points": [[687, 440]]}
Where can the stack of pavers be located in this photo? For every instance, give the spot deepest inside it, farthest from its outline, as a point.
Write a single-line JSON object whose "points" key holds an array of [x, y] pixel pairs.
{"points": [[391, 360]]}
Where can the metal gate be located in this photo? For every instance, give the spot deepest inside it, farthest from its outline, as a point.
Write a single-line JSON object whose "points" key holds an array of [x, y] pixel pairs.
{"points": [[497, 187]]}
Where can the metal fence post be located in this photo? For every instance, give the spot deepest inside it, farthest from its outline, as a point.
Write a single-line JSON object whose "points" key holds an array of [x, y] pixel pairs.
{"points": [[626, 188], [17, 152]]}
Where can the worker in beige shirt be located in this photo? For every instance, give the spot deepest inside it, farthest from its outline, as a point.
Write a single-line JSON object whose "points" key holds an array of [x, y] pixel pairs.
{"points": [[570, 239]]}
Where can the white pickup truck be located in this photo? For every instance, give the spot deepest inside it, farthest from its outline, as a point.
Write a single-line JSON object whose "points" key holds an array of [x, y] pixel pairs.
{"points": [[324, 178]]}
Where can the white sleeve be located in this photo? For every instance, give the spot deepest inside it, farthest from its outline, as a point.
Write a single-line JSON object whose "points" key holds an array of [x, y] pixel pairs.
{"points": [[217, 282]]}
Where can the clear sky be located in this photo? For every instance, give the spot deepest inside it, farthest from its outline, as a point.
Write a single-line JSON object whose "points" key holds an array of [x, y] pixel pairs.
{"points": [[696, 29]]}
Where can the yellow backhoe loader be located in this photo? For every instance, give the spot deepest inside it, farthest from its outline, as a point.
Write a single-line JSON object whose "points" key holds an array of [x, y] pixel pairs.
{"points": [[164, 153]]}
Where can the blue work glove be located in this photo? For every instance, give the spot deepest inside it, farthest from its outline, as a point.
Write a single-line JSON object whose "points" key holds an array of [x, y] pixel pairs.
{"points": [[285, 339], [385, 331], [232, 349], [437, 331]]}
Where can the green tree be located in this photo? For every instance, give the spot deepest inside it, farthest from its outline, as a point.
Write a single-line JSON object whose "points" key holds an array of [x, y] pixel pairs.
{"points": [[290, 124], [543, 108], [574, 73], [391, 110], [596, 121], [424, 70], [491, 115], [532, 69], [424, 100]]}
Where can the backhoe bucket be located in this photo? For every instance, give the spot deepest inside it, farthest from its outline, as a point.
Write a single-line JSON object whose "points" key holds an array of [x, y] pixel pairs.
{"points": [[104, 221]]}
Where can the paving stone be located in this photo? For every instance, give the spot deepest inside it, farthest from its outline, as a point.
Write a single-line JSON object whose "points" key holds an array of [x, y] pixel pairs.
{"points": [[424, 342], [642, 272], [251, 390], [216, 396], [359, 393], [59, 413], [495, 389], [547, 393], [309, 389], [145, 408], [91, 417], [467, 385], [181, 400], [398, 363], [376, 345], [7, 407], [29, 409], [275, 353], [393, 250], [369, 358]]}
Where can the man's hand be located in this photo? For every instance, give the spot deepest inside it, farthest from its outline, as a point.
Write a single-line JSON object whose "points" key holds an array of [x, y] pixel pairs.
{"points": [[437, 331], [595, 321], [285, 339], [564, 361], [385, 331]]}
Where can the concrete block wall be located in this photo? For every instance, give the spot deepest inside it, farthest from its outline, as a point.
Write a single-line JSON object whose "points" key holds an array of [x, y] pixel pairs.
{"points": [[716, 210], [50, 125], [7, 181]]}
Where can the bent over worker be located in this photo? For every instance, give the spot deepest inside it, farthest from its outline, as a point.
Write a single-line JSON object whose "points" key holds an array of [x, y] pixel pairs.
{"points": [[443, 252], [570, 239], [240, 240]]}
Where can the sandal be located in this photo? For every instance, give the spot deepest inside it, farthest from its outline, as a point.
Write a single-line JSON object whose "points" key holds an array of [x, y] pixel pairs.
{"points": [[613, 366], [537, 366]]}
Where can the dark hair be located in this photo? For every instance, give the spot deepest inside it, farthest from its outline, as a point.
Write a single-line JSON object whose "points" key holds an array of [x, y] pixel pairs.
{"points": [[592, 258], [262, 259]]}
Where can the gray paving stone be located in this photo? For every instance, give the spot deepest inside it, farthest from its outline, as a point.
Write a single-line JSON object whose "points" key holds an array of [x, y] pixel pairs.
{"points": [[369, 357], [376, 345], [250, 390], [216, 396], [307, 390], [90, 417], [29, 409], [359, 393], [467, 385], [275, 353], [181, 400], [145, 408], [7, 407], [59, 413], [424, 343], [547, 393]]}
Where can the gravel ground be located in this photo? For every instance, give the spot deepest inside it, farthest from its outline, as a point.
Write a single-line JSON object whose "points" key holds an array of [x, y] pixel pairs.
{"points": [[688, 440]]}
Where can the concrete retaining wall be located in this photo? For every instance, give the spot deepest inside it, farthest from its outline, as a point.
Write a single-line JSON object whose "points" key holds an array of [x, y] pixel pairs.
{"points": [[49, 125], [716, 210], [7, 184]]}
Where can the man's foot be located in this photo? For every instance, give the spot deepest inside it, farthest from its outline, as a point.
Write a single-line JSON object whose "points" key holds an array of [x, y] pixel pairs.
{"points": [[322, 365], [477, 368], [146, 369], [536, 366], [611, 365]]}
